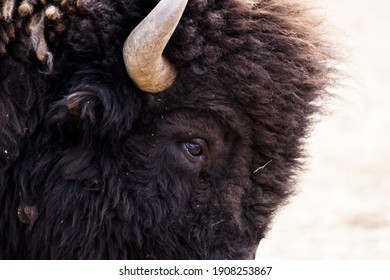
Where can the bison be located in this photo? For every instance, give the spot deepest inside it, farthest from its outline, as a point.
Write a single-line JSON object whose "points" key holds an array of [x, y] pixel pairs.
{"points": [[145, 129]]}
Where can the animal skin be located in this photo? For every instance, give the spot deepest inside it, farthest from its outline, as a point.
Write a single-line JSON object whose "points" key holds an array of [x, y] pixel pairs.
{"points": [[92, 167]]}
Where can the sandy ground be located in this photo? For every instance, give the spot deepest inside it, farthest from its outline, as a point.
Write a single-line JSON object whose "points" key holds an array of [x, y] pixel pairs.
{"points": [[342, 210]]}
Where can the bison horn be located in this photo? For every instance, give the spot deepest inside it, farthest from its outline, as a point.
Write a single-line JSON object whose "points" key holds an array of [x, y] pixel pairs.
{"points": [[142, 51]]}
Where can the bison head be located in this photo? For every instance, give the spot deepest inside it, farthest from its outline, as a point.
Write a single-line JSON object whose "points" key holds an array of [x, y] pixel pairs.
{"points": [[92, 165]]}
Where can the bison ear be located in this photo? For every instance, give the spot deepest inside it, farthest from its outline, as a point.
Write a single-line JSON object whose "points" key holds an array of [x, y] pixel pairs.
{"points": [[142, 51], [82, 104]]}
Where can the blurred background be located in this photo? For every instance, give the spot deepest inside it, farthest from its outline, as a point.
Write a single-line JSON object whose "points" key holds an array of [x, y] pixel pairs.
{"points": [[342, 209]]}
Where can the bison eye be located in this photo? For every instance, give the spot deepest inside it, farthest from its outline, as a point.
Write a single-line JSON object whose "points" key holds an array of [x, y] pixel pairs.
{"points": [[195, 149]]}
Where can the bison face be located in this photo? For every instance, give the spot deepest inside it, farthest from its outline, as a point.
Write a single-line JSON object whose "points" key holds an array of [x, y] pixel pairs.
{"points": [[158, 151], [174, 186]]}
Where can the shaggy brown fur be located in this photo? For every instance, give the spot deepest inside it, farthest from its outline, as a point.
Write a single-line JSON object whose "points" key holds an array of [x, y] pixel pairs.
{"points": [[94, 168]]}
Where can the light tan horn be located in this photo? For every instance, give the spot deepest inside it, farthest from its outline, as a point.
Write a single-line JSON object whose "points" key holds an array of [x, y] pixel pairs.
{"points": [[142, 51]]}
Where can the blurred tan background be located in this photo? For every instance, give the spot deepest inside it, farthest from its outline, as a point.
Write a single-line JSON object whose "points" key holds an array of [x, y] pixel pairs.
{"points": [[342, 210]]}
